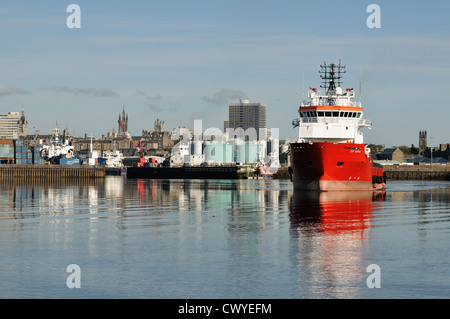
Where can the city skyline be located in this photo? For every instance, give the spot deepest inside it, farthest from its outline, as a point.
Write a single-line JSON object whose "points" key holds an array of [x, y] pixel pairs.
{"points": [[182, 62]]}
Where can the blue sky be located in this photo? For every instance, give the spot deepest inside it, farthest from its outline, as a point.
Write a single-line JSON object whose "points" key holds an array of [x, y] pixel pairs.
{"points": [[187, 60]]}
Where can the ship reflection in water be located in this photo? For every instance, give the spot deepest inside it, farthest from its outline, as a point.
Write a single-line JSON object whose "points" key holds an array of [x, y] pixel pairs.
{"points": [[332, 230]]}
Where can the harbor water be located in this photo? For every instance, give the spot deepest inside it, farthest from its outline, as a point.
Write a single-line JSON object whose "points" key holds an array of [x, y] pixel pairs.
{"points": [[142, 238]]}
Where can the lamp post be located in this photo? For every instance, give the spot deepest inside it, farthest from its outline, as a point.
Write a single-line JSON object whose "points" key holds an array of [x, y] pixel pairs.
{"points": [[431, 152]]}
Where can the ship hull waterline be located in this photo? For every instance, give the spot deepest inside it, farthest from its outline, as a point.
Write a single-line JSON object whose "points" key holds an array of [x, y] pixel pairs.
{"points": [[326, 166]]}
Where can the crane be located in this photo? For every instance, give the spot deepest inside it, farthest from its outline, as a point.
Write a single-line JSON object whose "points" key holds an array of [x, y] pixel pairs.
{"points": [[138, 148]]}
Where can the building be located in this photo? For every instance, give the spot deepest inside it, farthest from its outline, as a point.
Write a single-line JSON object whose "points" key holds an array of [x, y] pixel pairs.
{"points": [[247, 121], [154, 142], [391, 154], [13, 125], [443, 150], [420, 159], [157, 139]]}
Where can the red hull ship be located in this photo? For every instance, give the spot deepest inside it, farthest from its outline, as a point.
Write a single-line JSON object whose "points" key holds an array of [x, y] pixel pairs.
{"points": [[329, 153]]}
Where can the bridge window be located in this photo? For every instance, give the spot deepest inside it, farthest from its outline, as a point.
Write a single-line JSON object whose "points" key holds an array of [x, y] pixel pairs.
{"points": [[327, 113], [336, 114], [320, 113]]}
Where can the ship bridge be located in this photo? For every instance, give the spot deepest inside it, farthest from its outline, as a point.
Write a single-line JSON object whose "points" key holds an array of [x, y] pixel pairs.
{"points": [[331, 115], [334, 97]]}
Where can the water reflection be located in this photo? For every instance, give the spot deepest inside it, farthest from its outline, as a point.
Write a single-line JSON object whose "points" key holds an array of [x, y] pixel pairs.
{"points": [[331, 230], [215, 238], [25, 199]]}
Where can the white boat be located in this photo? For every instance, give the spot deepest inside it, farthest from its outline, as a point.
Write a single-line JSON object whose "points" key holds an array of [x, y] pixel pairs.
{"points": [[57, 149], [114, 159]]}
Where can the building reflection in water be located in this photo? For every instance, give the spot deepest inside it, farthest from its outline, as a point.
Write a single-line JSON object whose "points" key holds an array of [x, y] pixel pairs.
{"points": [[331, 230]]}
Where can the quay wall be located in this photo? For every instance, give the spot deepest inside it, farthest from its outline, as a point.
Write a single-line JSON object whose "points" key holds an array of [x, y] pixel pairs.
{"points": [[25, 172], [50, 171], [417, 172], [282, 173], [399, 172]]}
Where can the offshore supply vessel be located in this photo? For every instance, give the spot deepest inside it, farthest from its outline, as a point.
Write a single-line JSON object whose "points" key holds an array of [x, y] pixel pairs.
{"points": [[329, 153]]}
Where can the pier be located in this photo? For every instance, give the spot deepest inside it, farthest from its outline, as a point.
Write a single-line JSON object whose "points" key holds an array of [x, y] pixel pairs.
{"points": [[50, 171]]}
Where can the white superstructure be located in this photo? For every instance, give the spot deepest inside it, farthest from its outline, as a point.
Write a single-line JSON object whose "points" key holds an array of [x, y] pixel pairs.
{"points": [[57, 148], [331, 115]]}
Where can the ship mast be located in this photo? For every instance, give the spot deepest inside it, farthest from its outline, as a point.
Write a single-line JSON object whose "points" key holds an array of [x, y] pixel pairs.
{"points": [[331, 76]]}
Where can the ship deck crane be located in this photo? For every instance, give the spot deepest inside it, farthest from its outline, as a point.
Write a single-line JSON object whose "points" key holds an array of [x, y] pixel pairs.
{"points": [[138, 148]]}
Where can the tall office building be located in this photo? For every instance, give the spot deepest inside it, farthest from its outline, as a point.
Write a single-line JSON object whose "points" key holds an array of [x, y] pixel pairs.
{"points": [[247, 116]]}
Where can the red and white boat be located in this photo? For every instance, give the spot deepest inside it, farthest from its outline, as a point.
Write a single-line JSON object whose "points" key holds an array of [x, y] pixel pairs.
{"points": [[330, 154]]}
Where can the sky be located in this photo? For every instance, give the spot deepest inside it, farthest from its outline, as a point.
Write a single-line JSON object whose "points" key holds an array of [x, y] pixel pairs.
{"points": [[182, 61]]}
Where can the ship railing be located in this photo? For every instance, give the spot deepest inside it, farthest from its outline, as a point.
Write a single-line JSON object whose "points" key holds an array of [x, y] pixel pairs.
{"points": [[333, 102], [331, 119], [365, 123]]}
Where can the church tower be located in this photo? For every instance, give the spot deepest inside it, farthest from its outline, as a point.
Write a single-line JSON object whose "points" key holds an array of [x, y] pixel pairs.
{"points": [[124, 120], [422, 142], [159, 126]]}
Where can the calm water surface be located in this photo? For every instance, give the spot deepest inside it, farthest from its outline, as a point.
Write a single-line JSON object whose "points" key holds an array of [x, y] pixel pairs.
{"points": [[222, 239]]}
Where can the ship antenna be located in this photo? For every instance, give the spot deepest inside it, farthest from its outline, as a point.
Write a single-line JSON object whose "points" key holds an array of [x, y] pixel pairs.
{"points": [[360, 91], [303, 85], [331, 76]]}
